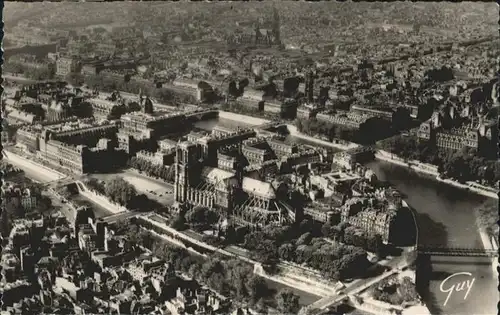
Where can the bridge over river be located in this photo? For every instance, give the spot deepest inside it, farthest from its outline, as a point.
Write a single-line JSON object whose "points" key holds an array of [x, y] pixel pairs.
{"points": [[457, 251]]}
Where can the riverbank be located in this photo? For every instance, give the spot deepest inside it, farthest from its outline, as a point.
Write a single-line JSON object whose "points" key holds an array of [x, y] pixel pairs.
{"points": [[255, 121], [489, 243], [248, 120], [341, 146], [33, 166], [431, 170]]}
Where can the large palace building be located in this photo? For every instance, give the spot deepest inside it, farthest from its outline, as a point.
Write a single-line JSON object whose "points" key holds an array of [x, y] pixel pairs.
{"points": [[377, 214], [80, 146], [155, 124], [479, 134], [348, 119], [84, 131]]}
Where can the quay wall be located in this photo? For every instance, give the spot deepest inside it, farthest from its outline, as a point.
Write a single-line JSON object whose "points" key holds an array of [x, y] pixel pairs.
{"points": [[255, 121], [373, 306], [342, 146], [290, 275], [489, 243], [33, 166], [294, 280], [243, 118], [100, 199], [175, 242], [432, 170], [413, 164]]}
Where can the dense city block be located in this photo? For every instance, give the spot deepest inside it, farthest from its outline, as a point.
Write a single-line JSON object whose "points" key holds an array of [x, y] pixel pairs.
{"points": [[223, 158]]}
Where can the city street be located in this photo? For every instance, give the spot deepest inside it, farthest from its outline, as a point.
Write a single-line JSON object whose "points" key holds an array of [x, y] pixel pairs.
{"points": [[99, 210], [32, 170], [63, 207], [162, 192], [352, 289], [359, 285], [52, 178], [18, 78]]}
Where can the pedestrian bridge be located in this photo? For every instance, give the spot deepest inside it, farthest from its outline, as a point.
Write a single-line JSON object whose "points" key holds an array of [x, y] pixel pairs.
{"points": [[457, 251]]}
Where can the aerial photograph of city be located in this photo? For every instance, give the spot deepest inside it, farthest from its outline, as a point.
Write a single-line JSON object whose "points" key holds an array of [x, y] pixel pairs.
{"points": [[244, 158]]}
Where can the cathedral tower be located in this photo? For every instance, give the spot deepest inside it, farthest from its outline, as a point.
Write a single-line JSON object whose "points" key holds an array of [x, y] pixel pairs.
{"points": [[186, 166], [309, 88], [276, 26]]}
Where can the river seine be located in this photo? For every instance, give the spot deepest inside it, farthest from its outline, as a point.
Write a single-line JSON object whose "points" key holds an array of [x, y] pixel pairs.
{"points": [[445, 217], [227, 123]]}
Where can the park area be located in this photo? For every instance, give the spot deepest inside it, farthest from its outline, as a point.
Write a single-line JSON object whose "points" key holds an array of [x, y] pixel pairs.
{"points": [[154, 189]]}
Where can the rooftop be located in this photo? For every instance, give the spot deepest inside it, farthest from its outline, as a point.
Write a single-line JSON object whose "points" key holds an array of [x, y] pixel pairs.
{"points": [[10, 285], [340, 176], [258, 188], [101, 102], [219, 128], [214, 175], [77, 125], [159, 115], [23, 116]]}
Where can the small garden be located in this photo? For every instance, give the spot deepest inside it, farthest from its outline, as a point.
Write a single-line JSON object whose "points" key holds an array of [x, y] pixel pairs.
{"points": [[396, 291], [122, 192]]}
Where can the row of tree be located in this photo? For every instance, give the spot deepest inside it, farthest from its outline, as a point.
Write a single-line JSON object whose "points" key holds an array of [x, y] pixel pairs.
{"points": [[229, 277], [394, 292], [463, 165], [155, 170], [30, 72], [201, 218], [196, 218], [109, 83], [487, 217], [301, 244], [354, 236], [315, 127], [9, 169], [370, 131], [117, 189]]}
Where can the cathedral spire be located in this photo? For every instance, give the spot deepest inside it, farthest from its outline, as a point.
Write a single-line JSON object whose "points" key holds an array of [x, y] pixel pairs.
{"points": [[276, 26]]}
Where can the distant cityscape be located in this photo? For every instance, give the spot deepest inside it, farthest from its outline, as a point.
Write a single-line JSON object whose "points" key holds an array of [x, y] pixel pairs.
{"points": [[230, 165]]}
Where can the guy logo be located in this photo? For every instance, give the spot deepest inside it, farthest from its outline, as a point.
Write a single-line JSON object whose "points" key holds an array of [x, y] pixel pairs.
{"points": [[457, 287]]}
